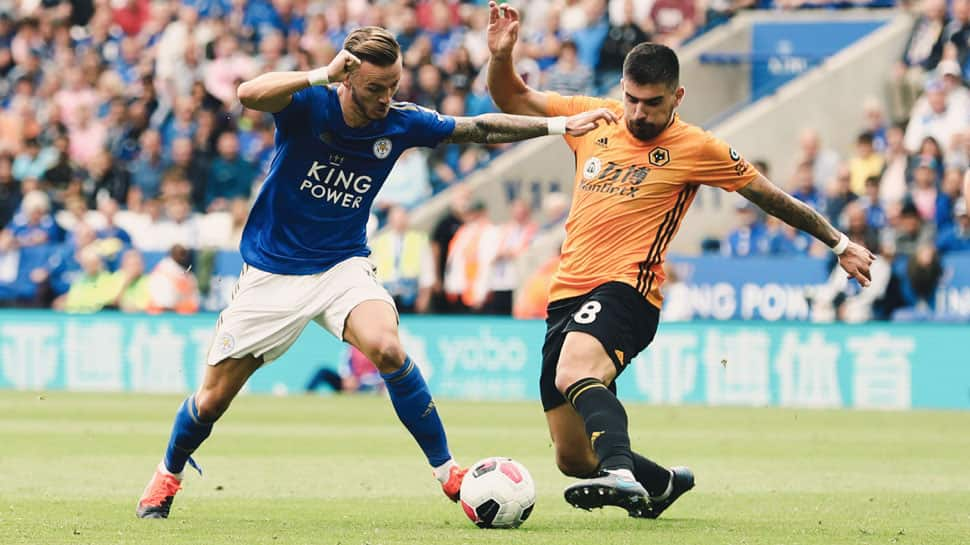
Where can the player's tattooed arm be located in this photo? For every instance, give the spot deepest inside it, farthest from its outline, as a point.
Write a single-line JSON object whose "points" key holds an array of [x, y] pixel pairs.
{"points": [[497, 128], [855, 259], [790, 210], [501, 128]]}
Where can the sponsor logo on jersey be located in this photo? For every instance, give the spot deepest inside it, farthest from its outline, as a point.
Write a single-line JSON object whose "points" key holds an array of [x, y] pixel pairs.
{"points": [[613, 178], [331, 183], [592, 168]]}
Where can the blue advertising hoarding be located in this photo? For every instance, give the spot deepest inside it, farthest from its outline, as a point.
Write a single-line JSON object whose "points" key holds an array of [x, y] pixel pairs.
{"points": [[781, 289], [886, 366], [782, 51]]}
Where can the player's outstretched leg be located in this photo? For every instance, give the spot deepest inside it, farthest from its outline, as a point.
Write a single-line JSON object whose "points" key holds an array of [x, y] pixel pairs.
{"points": [[193, 424], [582, 373], [575, 458], [606, 424], [188, 432], [409, 392]]}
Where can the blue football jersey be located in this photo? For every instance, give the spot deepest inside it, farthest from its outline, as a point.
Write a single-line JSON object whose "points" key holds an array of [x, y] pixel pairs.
{"points": [[311, 212]]}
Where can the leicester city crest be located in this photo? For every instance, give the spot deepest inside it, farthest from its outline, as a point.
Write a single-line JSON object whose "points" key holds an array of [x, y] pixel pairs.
{"points": [[226, 343], [382, 148]]}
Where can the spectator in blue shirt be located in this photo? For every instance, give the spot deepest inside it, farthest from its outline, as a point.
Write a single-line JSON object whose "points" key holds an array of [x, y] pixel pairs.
{"points": [[34, 225], [230, 176], [750, 237], [785, 240], [210, 8], [838, 195], [589, 40], [147, 170], [443, 35], [568, 76], [113, 241], [63, 266], [181, 123], [875, 212], [803, 185], [956, 238]]}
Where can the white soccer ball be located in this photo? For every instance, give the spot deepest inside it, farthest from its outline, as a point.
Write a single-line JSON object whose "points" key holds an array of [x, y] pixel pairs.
{"points": [[498, 493]]}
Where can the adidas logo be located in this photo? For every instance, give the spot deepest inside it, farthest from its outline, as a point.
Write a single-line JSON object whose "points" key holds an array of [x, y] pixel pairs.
{"points": [[602, 142]]}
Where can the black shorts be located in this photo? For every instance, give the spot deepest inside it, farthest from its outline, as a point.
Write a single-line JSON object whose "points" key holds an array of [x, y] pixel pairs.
{"points": [[615, 313]]}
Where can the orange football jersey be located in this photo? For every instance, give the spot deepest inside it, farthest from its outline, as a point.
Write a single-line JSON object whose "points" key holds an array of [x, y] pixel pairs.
{"points": [[630, 197]]}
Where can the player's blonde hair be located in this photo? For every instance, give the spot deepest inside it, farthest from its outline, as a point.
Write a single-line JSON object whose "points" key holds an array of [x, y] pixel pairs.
{"points": [[373, 44]]}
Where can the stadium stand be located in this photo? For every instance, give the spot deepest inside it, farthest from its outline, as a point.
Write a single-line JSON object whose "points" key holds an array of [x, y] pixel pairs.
{"points": [[120, 136]]}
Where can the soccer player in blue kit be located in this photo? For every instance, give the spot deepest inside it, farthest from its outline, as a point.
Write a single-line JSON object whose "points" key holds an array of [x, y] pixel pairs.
{"points": [[338, 133]]}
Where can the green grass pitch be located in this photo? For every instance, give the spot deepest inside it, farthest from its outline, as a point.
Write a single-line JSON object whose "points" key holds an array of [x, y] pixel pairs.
{"points": [[299, 470]]}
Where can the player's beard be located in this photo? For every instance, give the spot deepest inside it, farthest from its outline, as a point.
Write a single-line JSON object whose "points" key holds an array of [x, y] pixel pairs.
{"points": [[370, 114], [648, 131]]}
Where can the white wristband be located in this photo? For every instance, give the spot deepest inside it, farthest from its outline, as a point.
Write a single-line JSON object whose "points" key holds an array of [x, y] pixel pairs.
{"points": [[557, 125], [318, 76], [841, 245]]}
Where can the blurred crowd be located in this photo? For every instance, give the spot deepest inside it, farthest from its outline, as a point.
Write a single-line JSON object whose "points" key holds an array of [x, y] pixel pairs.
{"points": [[899, 193], [468, 263], [120, 130], [122, 142]]}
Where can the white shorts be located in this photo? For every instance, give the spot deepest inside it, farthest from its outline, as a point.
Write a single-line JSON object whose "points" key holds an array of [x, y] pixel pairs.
{"points": [[268, 311]]}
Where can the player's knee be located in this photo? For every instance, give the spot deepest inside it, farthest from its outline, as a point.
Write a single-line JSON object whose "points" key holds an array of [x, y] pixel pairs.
{"points": [[386, 353], [575, 365], [211, 404], [571, 370], [577, 466], [567, 376]]}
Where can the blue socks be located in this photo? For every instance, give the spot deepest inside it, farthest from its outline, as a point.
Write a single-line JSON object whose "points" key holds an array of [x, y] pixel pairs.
{"points": [[409, 395], [188, 432], [412, 401]]}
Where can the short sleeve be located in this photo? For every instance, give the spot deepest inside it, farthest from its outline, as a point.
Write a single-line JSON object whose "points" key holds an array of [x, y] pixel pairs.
{"points": [[720, 165], [297, 109], [558, 105], [428, 128]]}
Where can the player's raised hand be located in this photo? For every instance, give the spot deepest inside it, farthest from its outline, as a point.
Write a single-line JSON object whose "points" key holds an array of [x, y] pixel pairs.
{"points": [[344, 64], [580, 124], [503, 29], [856, 260]]}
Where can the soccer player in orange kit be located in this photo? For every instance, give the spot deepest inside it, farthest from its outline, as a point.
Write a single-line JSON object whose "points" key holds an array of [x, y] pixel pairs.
{"points": [[634, 181]]}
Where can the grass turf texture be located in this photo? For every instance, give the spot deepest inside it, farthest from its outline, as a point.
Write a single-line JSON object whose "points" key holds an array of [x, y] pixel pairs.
{"points": [[342, 470]]}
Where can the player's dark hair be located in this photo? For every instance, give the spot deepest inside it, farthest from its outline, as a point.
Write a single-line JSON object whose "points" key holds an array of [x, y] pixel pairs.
{"points": [[374, 45], [649, 63]]}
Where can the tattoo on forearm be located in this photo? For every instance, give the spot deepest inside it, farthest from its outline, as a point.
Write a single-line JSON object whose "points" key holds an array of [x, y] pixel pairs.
{"points": [[497, 128], [793, 212]]}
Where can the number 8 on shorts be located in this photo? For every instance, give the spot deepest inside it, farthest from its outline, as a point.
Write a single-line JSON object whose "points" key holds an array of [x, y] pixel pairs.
{"points": [[587, 313]]}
